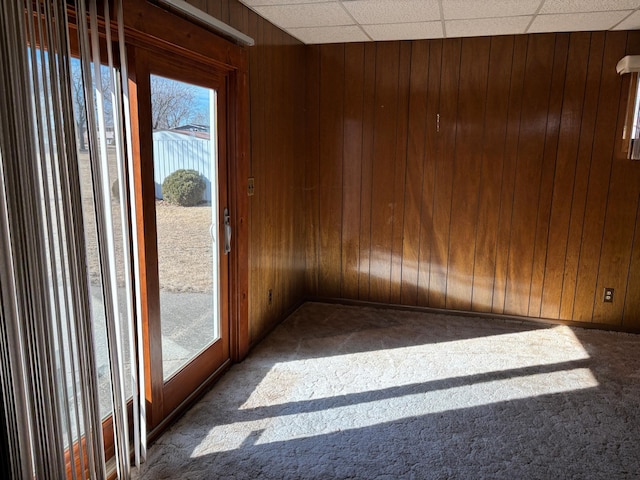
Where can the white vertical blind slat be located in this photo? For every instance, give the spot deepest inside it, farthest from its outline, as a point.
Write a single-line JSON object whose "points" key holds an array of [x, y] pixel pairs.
{"points": [[48, 373]]}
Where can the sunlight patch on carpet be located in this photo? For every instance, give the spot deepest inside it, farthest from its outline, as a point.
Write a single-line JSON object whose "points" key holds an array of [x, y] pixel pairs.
{"points": [[388, 367], [396, 409]]}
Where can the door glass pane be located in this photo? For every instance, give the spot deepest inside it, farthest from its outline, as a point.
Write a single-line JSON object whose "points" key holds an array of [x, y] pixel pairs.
{"points": [[91, 239], [185, 171]]}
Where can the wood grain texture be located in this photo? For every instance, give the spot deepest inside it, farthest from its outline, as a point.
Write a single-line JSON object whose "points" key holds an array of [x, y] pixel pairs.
{"points": [[399, 175], [593, 180], [429, 168], [518, 201], [443, 180], [530, 148], [142, 140], [631, 317], [331, 165], [488, 208], [351, 185], [521, 203], [279, 247], [416, 148], [366, 166], [312, 168], [467, 165], [383, 166], [574, 97], [545, 189], [507, 188]]}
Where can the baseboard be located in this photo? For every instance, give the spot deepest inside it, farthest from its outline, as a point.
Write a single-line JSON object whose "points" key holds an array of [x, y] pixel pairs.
{"points": [[464, 313]]}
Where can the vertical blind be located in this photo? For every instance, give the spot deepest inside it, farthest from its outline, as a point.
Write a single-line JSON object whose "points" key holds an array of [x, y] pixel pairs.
{"points": [[68, 276]]}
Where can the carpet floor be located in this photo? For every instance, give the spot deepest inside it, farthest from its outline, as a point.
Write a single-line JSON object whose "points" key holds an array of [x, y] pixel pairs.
{"points": [[339, 392]]}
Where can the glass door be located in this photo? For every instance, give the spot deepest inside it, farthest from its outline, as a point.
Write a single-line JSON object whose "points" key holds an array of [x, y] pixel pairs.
{"points": [[186, 189], [184, 198]]}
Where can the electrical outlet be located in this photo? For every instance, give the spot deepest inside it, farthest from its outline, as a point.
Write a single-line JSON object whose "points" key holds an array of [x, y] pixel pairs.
{"points": [[608, 295], [270, 296], [251, 187]]}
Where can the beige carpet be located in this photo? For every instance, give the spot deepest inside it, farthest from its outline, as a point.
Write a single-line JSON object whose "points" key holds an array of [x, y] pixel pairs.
{"points": [[347, 392]]}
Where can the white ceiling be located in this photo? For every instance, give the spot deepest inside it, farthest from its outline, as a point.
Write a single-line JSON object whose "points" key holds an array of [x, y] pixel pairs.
{"points": [[332, 21]]}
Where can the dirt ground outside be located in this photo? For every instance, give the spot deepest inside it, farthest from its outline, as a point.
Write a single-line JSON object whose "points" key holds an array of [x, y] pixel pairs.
{"points": [[184, 243], [184, 248]]}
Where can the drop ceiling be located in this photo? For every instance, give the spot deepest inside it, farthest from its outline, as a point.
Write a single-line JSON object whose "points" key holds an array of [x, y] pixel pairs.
{"points": [[332, 21]]}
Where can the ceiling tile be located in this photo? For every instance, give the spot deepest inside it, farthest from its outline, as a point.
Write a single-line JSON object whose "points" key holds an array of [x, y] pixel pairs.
{"points": [[306, 15], [393, 11], [255, 3], [357, 20], [576, 22], [630, 23], [404, 31], [570, 6], [487, 26], [349, 33], [458, 9]]}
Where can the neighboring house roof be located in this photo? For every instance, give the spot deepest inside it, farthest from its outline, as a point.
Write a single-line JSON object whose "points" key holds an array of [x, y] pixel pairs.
{"points": [[192, 128]]}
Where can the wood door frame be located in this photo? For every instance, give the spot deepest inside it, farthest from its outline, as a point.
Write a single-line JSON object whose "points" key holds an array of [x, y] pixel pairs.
{"points": [[148, 30]]}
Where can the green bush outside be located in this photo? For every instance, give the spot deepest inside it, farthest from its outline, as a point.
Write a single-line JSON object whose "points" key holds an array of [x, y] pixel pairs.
{"points": [[184, 188]]}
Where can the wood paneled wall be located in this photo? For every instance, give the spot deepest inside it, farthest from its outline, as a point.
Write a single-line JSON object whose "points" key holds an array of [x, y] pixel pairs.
{"points": [[277, 246], [479, 174], [476, 174]]}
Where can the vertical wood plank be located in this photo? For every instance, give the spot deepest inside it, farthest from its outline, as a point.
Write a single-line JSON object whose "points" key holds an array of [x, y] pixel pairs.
{"points": [[414, 171], [266, 263], [312, 166], [429, 168], [533, 123], [277, 182], [574, 96], [352, 167], [368, 114], [256, 61], [384, 142], [548, 169], [596, 212], [404, 76], [331, 149], [488, 208], [631, 316], [449, 90], [300, 154], [509, 173], [583, 166], [238, 16], [620, 217], [214, 8], [472, 97], [225, 11]]}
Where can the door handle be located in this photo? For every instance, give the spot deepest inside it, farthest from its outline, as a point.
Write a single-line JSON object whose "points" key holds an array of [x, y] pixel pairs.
{"points": [[227, 232]]}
